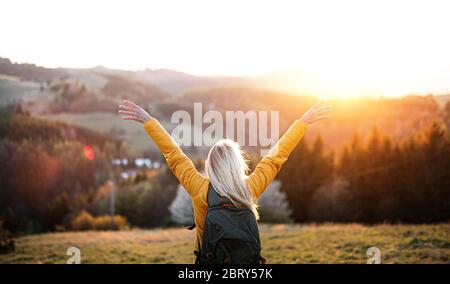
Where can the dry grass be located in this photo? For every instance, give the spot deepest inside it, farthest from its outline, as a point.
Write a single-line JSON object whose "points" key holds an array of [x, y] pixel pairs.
{"points": [[328, 243]]}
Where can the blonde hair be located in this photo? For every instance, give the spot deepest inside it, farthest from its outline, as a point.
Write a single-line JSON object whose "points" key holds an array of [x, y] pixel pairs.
{"points": [[227, 170]]}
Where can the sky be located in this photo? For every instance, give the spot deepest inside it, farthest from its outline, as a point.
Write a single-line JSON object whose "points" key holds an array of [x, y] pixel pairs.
{"points": [[383, 47]]}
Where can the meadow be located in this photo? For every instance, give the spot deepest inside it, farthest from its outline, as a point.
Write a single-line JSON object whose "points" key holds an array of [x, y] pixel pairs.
{"points": [[12, 89], [325, 243], [108, 123]]}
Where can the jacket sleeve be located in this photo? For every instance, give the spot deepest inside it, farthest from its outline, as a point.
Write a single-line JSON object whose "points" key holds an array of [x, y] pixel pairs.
{"points": [[181, 166], [270, 165]]}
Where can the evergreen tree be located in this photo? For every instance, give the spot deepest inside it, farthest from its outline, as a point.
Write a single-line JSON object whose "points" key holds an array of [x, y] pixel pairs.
{"points": [[306, 170]]}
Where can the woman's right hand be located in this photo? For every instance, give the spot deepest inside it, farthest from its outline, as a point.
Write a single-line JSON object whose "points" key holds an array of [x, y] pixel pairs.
{"points": [[132, 111], [317, 112]]}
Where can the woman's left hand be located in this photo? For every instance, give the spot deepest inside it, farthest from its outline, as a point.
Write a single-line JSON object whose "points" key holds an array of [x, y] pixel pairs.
{"points": [[317, 112], [133, 112]]}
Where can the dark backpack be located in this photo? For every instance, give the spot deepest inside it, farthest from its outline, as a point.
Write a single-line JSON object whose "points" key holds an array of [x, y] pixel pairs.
{"points": [[230, 233]]}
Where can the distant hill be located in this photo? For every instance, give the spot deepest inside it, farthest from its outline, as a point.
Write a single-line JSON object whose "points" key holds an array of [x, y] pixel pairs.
{"points": [[396, 117], [178, 82], [89, 98], [13, 89], [50, 91], [442, 100], [29, 72], [19, 127]]}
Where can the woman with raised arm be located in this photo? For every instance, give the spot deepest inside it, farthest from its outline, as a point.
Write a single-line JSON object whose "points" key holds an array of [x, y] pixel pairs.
{"points": [[225, 200]]}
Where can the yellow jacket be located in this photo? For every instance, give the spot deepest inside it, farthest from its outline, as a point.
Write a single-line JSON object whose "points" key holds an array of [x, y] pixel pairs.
{"points": [[197, 185]]}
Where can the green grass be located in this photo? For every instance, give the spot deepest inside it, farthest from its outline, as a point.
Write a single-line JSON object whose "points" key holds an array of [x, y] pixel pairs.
{"points": [[105, 122], [327, 243], [13, 89]]}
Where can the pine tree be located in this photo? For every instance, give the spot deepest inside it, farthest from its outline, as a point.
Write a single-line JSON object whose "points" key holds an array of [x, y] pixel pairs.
{"points": [[306, 170]]}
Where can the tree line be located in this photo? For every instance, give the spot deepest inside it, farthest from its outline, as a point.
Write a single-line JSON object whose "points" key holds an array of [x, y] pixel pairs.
{"points": [[379, 180], [47, 182]]}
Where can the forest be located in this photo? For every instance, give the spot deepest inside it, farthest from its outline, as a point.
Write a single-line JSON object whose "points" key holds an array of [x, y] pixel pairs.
{"points": [[49, 183]]}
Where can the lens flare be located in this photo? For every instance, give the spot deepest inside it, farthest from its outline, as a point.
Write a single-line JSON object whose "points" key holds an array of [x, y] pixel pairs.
{"points": [[89, 152]]}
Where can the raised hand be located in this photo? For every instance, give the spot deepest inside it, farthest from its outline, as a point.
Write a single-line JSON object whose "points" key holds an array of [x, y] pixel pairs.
{"points": [[132, 111], [317, 112]]}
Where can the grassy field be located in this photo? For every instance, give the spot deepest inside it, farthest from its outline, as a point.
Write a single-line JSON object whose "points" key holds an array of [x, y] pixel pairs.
{"points": [[12, 89], [327, 243], [105, 122]]}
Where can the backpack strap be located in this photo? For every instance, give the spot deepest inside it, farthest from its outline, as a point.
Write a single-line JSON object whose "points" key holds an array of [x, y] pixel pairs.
{"points": [[213, 199]]}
